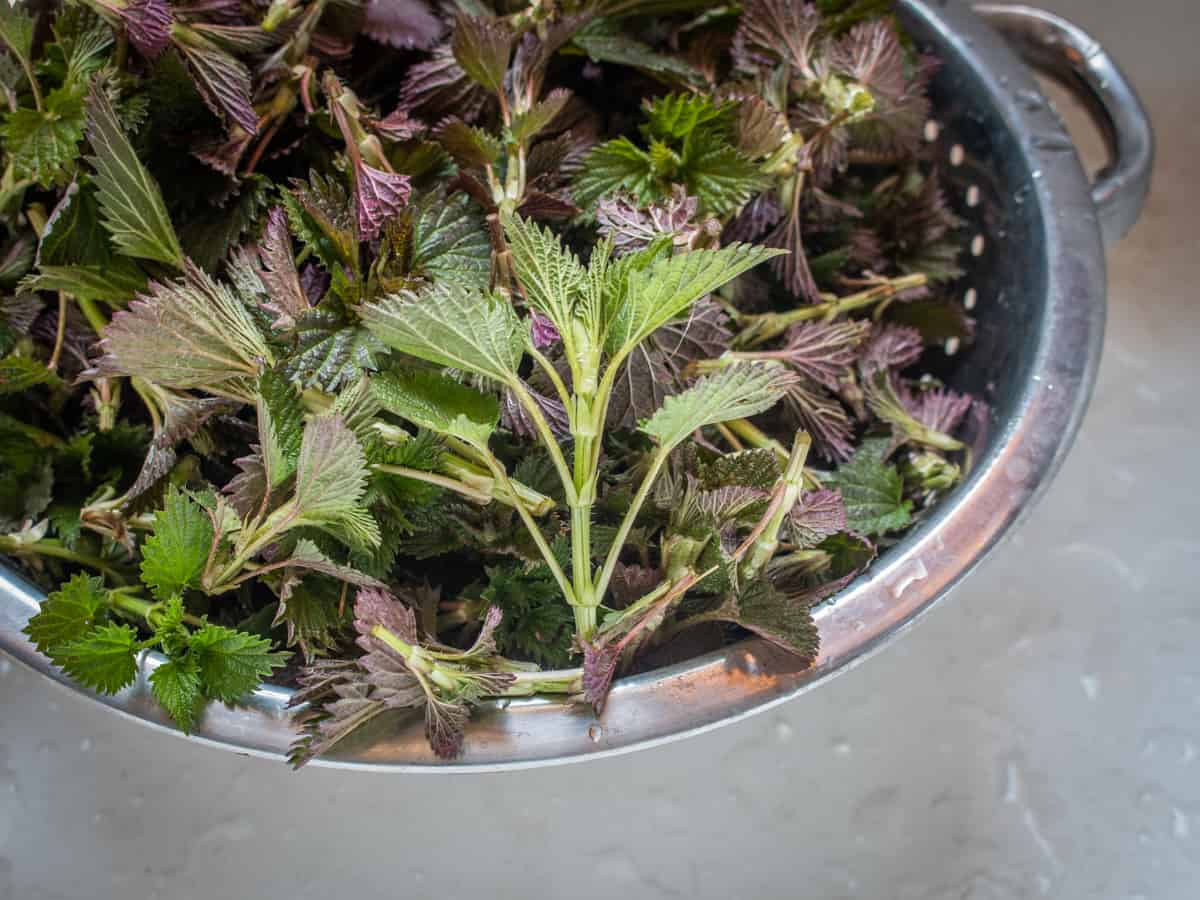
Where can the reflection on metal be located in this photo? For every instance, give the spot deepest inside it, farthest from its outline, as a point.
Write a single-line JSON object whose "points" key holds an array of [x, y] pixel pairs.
{"points": [[1037, 287]]}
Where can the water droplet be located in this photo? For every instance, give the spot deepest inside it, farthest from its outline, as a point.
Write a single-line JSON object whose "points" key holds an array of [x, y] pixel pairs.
{"points": [[5, 666], [1036, 174], [85, 745], [1030, 99], [841, 747], [595, 733], [913, 572]]}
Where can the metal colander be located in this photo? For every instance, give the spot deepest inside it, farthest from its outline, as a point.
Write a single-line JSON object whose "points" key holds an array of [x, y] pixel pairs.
{"points": [[1035, 284]]}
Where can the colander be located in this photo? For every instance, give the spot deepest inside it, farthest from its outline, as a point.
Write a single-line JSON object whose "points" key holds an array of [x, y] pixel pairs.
{"points": [[1036, 284]]}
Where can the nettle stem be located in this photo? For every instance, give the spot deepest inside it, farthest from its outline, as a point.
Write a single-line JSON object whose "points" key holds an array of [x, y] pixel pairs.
{"points": [[758, 329]]}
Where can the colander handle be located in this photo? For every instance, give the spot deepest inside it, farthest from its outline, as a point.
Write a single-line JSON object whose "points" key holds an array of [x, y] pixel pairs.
{"points": [[1065, 52]]}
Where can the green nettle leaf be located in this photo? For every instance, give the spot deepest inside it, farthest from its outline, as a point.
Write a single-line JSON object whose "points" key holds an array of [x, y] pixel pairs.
{"points": [[450, 242], [441, 405], [331, 353], [678, 115], [604, 43], [44, 144], [331, 478], [280, 426], [481, 46], [531, 123], [176, 685], [73, 233], [769, 614], [16, 29], [471, 147], [173, 558], [189, 333], [873, 491], [68, 613], [452, 325], [131, 203], [232, 663], [736, 392], [20, 373], [551, 275], [721, 178], [115, 283], [648, 298], [104, 659], [613, 166]]}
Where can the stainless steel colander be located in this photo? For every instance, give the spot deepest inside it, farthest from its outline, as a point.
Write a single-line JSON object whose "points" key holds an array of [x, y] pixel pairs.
{"points": [[1036, 284]]}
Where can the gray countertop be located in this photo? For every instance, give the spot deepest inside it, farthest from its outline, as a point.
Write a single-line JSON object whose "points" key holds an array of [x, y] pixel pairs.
{"points": [[1037, 736]]}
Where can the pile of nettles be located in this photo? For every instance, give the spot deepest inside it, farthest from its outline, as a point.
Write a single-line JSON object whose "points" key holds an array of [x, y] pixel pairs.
{"points": [[414, 353]]}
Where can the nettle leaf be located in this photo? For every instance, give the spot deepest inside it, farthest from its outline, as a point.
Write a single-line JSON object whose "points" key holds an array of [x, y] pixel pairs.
{"points": [[285, 296], [603, 42], [614, 166], [785, 623], [104, 659], [43, 145], [873, 490], [321, 217], [16, 30], [224, 84], [449, 241], [540, 116], [189, 333], [331, 478], [736, 392], [232, 663], [20, 373], [115, 283], [331, 353], [721, 177], [174, 557], [551, 275], [176, 685], [68, 614], [439, 404], [482, 48], [401, 23], [280, 426], [653, 296], [678, 115], [454, 326], [131, 203], [73, 233], [471, 147]]}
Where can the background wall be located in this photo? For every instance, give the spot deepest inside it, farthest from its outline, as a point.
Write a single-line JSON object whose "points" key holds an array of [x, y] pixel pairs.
{"points": [[1037, 736]]}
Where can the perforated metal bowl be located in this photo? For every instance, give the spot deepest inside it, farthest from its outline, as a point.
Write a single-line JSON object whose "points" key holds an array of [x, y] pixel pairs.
{"points": [[1036, 285]]}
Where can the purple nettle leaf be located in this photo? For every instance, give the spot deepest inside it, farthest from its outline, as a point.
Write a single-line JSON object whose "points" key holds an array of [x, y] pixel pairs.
{"points": [[246, 490], [756, 218], [599, 667], [379, 196], [403, 24], [891, 347], [227, 11], [792, 268], [871, 55], [224, 85], [547, 207], [374, 607], [185, 416], [816, 516], [224, 155], [939, 409], [542, 331], [438, 87], [148, 24], [776, 31], [633, 228], [286, 298], [823, 417], [398, 125], [314, 281], [445, 724], [824, 351], [516, 418], [20, 311]]}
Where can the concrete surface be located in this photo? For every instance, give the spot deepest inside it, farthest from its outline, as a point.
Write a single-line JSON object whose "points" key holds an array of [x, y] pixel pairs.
{"points": [[1037, 736]]}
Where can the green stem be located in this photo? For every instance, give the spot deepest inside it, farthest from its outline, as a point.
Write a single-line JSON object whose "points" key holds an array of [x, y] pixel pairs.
{"points": [[54, 549], [614, 552], [441, 481], [547, 436], [92, 312], [534, 532], [122, 602], [758, 329], [767, 540]]}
